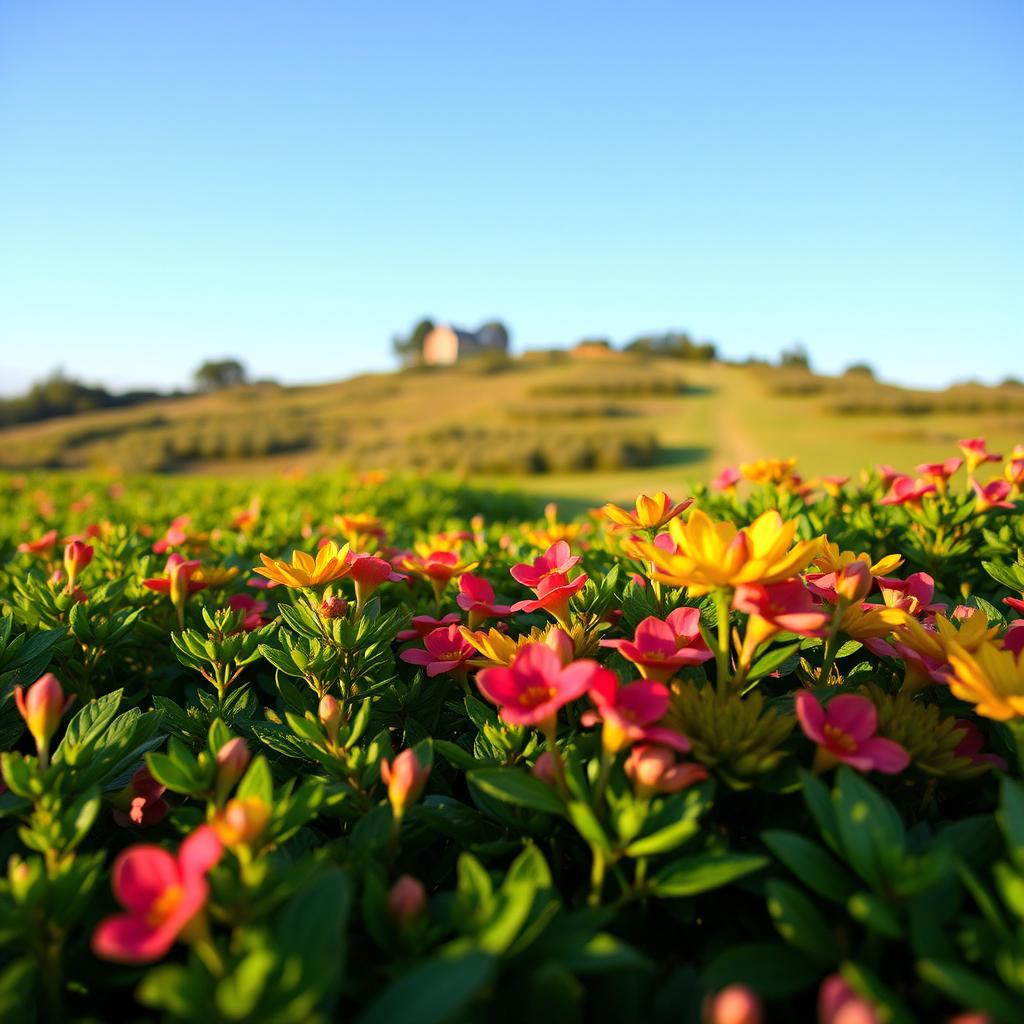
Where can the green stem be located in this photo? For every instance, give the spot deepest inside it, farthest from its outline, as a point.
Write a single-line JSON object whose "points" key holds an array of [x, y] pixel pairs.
{"points": [[597, 869], [607, 760], [722, 602]]}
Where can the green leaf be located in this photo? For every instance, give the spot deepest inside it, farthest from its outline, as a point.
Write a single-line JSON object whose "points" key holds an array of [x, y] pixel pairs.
{"points": [[870, 829], [772, 969], [799, 921], [690, 875], [811, 864], [1011, 818], [257, 782], [85, 728], [970, 990], [875, 914], [171, 775], [665, 839], [515, 786], [433, 992], [863, 979], [583, 818]]}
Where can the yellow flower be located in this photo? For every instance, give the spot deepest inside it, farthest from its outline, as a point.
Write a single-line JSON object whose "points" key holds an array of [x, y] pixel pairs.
{"points": [[215, 576], [305, 571], [360, 529], [498, 648], [769, 471], [713, 555], [831, 559], [967, 634], [863, 622], [648, 514], [991, 678]]}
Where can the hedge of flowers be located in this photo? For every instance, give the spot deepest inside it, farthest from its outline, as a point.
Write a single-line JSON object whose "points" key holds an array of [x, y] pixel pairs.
{"points": [[385, 749]]}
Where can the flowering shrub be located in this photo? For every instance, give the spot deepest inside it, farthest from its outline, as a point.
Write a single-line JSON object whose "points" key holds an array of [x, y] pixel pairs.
{"points": [[387, 750]]}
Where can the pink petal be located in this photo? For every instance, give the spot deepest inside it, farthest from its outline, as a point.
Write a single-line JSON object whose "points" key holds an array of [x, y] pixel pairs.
{"points": [[498, 685], [853, 715], [199, 852], [811, 716], [685, 622], [141, 874], [128, 939], [646, 699], [886, 756]]}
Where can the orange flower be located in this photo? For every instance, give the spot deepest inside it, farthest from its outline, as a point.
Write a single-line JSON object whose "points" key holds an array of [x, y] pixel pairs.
{"points": [[831, 559], [992, 679], [770, 471], [305, 571], [648, 514]]}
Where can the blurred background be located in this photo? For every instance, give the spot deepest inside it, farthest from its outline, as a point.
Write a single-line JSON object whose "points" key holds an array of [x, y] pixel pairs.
{"points": [[589, 246]]}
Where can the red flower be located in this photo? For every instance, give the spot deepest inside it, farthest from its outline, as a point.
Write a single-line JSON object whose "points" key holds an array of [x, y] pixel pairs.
{"points": [[140, 802], [251, 608], [41, 546], [845, 732], [422, 625]]}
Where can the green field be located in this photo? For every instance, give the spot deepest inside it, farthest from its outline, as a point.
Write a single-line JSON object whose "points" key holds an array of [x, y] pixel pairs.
{"points": [[484, 419]]}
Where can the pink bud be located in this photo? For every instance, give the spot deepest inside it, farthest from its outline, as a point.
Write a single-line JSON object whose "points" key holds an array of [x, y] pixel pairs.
{"points": [[42, 708], [76, 557], [405, 779], [735, 1004], [544, 769], [561, 643], [232, 760], [406, 900], [329, 713]]}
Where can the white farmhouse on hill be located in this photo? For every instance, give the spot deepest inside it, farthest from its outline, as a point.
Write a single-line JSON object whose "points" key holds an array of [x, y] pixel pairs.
{"points": [[445, 345]]}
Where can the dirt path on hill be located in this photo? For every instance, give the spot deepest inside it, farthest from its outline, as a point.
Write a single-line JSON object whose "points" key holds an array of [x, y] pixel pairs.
{"points": [[732, 442]]}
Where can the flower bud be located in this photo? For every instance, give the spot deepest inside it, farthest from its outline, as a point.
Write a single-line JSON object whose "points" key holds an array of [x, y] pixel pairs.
{"points": [[329, 713], [653, 769], [735, 1004], [42, 708], [76, 557], [405, 778], [544, 769], [241, 822], [561, 643], [406, 900], [368, 573], [232, 760], [333, 607]]}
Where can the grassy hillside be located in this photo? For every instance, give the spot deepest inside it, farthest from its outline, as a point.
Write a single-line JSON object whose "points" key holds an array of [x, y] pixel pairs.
{"points": [[574, 430]]}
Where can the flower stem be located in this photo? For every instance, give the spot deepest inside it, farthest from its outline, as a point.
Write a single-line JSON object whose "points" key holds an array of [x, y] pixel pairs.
{"points": [[597, 869], [722, 602]]}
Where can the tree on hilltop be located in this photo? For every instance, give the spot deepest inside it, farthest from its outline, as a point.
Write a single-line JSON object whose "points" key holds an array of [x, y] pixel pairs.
{"points": [[217, 374]]}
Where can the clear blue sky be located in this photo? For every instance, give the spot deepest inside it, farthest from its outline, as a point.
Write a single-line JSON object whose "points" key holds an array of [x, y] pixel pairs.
{"points": [[292, 182]]}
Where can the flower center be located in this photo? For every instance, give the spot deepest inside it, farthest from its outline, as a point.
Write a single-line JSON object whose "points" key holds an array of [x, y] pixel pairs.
{"points": [[838, 738], [164, 905], [536, 694]]}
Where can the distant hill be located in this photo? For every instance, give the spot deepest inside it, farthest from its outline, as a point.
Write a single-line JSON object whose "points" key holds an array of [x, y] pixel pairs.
{"points": [[576, 428]]}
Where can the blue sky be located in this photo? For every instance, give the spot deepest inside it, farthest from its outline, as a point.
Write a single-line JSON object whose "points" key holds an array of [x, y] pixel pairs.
{"points": [[291, 183]]}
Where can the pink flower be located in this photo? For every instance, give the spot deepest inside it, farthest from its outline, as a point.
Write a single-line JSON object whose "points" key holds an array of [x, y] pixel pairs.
{"points": [[446, 651], [368, 573], [975, 453], [175, 535], [140, 803], [727, 479], [405, 778], [939, 472], [886, 473], [970, 746], [422, 625], [178, 582], [913, 595], [554, 592], [628, 713], [162, 894], [535, 685], [907, 491], [78, 555], [787, 606], [845, 732], [659, 649], [1015, 603], [839, 1004], [251, 608], [993, 495], [654, 769], [557, 559], [476, 596], [41, 546]]}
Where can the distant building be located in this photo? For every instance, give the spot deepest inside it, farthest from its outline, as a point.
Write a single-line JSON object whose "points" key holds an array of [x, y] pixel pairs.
{"points": [[446, 345]]}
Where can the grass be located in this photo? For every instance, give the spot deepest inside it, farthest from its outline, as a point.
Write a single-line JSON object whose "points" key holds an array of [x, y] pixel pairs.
{"points": [[704, 416]]}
